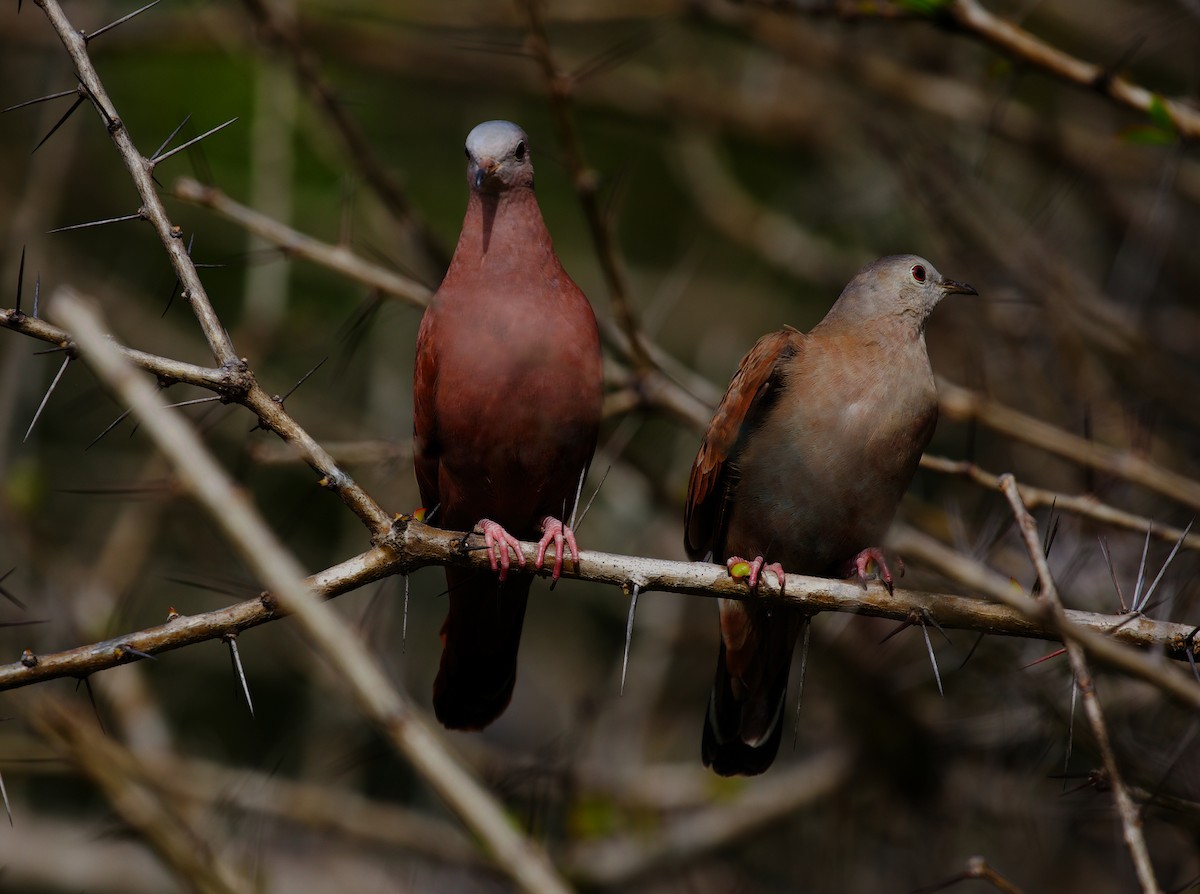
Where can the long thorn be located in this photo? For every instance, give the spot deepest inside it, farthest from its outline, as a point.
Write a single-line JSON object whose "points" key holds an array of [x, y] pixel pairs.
{"points": [[629, 634], [9, 596], [175, 288], [111, 426], [588, 507], [1038, 661], [120, 21], [1141, 578], [61, 121], [7, 806], [20, 279], [192, 402], [29, 102], [1163, 570], [932, 658], [971, 652], [62, 369], [304, 378], [87, 684], [1071, 723], [161, 158], [237, 668], [167, 141], [578, 487], [800, 682], [404, 622], [99, 223], [1112, 571]]}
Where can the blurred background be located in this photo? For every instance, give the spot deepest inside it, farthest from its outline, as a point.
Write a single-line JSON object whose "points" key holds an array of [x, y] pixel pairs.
{"points": [[748, 158]]}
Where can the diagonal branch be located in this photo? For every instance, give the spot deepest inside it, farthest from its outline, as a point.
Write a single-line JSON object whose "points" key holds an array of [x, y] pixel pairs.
{"points": [[1131, 821], [378, 699], [285, 37]]}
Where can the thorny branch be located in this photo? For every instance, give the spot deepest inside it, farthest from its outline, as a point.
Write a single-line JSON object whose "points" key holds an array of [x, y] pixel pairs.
{"points": [[331, 637], [239, 382], [412, 545], [1131, 821]]}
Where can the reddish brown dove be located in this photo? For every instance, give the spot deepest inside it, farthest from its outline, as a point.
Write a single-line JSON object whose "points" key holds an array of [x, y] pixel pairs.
{"points": [[507, 400], [803, 465]]}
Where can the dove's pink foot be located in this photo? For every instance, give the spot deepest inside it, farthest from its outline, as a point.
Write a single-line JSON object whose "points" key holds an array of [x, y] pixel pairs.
{"points": [[756, 568], [862, 567], [554, 531], [498, 543]]}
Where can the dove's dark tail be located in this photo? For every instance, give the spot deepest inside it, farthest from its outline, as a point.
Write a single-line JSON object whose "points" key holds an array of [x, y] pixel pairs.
{"points": [[746, 716], [480, 639]]}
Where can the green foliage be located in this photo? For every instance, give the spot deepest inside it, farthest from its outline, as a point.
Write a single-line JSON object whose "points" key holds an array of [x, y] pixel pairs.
{"points": [[1159, 132], [925, 7]]}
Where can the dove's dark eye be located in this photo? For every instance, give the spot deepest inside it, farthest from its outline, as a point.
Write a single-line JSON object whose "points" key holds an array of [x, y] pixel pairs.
{"points": [[467, 153], [918, 273], [520, 151]]}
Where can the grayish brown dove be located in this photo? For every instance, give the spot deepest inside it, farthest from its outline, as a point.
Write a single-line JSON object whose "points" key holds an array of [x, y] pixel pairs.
{"points": [[804, 463], [507, 401]]}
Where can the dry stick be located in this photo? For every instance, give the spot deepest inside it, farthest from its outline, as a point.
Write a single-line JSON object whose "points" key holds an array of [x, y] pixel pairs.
{"points": [[239, 384], [973, 19], [1025, 47], [338, 258], [1083, 505], [818, 51], [614, 862], [559, 86], [208, 483], [285, 37], [1131, 821], [964, 405], [136, 795]]}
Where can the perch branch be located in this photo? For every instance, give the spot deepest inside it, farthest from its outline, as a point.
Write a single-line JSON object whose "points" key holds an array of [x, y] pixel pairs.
{"points": [[413, 545]]}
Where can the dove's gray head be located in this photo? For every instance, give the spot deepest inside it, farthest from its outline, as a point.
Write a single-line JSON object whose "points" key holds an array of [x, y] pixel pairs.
{"points": [[498, 157], [905, 286]]}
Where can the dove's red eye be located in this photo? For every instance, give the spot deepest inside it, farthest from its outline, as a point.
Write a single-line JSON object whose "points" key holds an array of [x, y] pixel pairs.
{"points": [[918, 273]]}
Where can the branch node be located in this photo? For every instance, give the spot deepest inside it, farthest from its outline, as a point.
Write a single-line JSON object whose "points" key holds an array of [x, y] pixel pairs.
{"points": [[172, 614], [28, 658]]}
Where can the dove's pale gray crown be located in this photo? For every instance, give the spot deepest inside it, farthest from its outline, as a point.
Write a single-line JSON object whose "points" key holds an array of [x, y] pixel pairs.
{"points": [[896, 285], [498, 156]]}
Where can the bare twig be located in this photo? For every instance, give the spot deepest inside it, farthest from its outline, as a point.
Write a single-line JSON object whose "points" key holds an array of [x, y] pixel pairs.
{"points": [[1083, 505], [964, 405], [137, 796], [338, 258], [284, 36], [1131, 820], [615, 862], [559, 87]]}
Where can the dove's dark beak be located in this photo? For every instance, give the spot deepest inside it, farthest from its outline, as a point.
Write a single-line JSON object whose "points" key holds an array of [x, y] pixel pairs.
{"points": [[954, 287], [487, 167]]}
